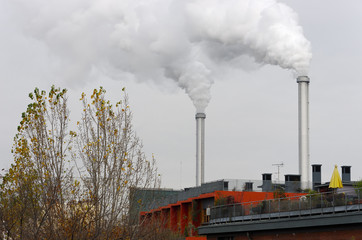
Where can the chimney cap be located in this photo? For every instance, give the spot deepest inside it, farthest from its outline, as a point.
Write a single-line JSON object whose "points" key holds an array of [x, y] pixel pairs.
{"points": [[292, 177], [200, 115], [303, 79]]}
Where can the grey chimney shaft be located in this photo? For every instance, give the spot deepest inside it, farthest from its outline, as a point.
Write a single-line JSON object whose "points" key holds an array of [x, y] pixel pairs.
{"points": [[303, 122], [200, 148]]}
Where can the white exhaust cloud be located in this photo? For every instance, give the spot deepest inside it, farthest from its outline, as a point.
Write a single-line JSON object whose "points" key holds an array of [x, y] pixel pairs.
{"points": [[185, 41]]}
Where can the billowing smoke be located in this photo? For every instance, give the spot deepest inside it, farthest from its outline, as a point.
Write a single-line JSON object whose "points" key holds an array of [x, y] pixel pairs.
{"points": [[161, 40]]}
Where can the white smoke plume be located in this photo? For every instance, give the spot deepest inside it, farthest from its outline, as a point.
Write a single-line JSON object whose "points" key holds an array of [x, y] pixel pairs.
{"points": [[161, 40]]}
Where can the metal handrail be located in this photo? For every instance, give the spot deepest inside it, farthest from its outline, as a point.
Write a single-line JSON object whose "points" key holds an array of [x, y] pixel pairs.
{"points": [[296, 206]]}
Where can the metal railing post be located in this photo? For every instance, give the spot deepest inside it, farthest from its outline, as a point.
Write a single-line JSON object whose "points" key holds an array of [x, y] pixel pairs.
{"points": [[358, 199], [289, 206], [334, 204], [299, 204], [242, 212], [322, 204], [259, 211], [252, 215], [233, 212], [279, 206]]}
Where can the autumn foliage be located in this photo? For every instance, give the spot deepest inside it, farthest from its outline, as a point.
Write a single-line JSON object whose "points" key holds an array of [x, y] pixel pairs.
{"points": [[74, 184]]}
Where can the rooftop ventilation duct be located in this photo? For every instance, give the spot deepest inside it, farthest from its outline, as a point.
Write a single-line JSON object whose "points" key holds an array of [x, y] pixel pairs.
{"points": [[267, 182], [292, 183], [316, 175], [346, 173]]}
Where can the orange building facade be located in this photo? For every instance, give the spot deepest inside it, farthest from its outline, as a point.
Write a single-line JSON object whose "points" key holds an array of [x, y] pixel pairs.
{"points": [[186, 216]]}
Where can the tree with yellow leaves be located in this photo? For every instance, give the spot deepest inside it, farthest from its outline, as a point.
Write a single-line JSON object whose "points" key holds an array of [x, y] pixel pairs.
{"points": [[33, 191], [40, 197], [113, 163]]}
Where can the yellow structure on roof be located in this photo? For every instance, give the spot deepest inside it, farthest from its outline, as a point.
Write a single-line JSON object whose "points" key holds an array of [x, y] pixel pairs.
{"points": [[336, 181]]}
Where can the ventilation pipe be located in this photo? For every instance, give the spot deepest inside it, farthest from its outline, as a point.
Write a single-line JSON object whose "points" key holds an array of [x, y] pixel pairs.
{"points": [[292, 183], [346, 173], [303, 123], [200, 148], [316, 175], [267, 182]]}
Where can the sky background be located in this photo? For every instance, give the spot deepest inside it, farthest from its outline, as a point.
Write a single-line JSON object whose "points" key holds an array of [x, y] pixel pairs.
{"points": [[251, 120]]}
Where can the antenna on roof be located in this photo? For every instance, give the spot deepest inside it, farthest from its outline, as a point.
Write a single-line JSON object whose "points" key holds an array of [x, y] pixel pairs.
{"points": [[180, 174], [278, 165]]}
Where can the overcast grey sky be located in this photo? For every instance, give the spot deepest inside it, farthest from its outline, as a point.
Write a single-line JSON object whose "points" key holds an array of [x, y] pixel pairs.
{"points": [[251, 119]]}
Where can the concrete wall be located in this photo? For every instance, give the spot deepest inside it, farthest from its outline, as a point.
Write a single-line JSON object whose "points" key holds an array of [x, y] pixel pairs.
{"points": [[330, 234], [335, 226]]}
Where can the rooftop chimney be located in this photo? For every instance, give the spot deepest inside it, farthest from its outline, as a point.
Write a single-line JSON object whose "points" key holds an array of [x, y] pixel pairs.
{"points": [[316, 175], [346, 173], [292, 183], [267, 182], [200, 148], [303, 123]]}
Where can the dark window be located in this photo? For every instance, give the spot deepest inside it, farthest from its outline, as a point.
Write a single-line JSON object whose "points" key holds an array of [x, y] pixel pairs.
{"points": [[248, 186], [267, 176], [317, 168], [226, 185], [292, 178], [346, 170]]}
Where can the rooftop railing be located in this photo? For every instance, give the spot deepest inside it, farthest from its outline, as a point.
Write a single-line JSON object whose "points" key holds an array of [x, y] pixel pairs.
{"points": [[298, 206]]}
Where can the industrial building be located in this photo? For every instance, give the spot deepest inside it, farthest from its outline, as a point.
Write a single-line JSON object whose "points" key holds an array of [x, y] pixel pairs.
{"points": [[260, 208], [184, 211], [237, 209]]}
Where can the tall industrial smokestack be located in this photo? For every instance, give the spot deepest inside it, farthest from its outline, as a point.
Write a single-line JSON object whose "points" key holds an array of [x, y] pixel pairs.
{"points": [[303, 121], [200, 148]]}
